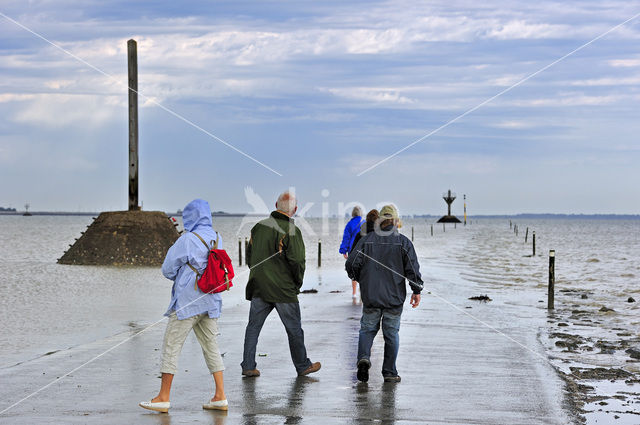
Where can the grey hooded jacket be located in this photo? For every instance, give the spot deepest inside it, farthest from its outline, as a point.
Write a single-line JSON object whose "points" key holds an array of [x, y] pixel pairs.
{"points": [[380, 262]]}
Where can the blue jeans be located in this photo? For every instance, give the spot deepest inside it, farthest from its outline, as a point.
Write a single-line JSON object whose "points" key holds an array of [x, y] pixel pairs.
{"points": [[290, 316], [369, 326]]}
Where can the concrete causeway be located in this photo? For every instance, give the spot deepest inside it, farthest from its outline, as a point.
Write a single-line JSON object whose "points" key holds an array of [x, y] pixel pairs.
{"points": [[454, 370]]}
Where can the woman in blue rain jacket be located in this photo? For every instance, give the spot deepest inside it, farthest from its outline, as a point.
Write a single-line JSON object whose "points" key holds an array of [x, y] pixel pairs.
{"points": [[350, 231], [190, 308]]}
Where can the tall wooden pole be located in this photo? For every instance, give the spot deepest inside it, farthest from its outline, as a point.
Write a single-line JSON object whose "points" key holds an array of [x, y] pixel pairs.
{"points": [[132, 49], [552, 279]]}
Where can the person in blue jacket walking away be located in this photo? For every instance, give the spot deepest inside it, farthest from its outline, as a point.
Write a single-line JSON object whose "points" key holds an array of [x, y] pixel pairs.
{"points": [[350, 231], [190, 308]]}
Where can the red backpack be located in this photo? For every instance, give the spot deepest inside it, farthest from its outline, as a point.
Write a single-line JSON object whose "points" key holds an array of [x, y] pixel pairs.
{"points": [[217, 276]]}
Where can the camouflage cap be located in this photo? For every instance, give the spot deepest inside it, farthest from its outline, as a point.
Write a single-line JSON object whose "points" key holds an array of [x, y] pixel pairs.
{"points": [[389, 211]]}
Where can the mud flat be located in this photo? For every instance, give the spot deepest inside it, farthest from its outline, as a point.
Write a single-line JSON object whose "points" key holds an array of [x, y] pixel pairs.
{"points": [[598, 361]]}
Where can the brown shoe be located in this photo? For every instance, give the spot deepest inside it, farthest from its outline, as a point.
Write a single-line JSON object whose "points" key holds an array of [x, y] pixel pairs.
{"points": [[251, 373], [311, 369]]}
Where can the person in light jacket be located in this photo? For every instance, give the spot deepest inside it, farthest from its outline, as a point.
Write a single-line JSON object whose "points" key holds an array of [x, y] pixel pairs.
{"points": [[350, 231], [190, 308]]}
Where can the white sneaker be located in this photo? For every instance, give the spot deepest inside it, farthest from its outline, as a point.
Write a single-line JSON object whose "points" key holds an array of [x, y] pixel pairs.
{"points": [[159, 406], [216, 405]]}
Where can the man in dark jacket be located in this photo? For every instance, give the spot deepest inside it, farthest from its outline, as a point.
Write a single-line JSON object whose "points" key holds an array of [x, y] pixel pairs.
{"points": [[381, 261], [277, 261]]}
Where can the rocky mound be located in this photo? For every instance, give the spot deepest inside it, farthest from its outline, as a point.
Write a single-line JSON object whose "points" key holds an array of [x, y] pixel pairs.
{"points": [[119, 238]]}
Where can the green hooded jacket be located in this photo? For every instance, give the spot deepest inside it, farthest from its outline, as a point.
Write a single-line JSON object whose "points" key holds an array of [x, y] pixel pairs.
{"points": [[277, 260]]}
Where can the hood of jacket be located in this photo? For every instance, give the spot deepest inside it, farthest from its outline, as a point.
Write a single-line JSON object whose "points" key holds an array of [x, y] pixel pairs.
{"points": [[196, 213]]}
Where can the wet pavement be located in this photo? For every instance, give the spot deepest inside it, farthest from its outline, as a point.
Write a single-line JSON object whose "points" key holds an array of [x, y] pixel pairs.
{"points": [[455, 370]]}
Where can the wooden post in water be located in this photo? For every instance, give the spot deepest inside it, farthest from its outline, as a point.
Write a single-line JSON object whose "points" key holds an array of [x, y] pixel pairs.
{"points": [[411, 233], [132, 50], [432, 230], [526, 235], [534, 243], [319, 252], [246, 248], [552, 279], [455, 225], [239, 251]]}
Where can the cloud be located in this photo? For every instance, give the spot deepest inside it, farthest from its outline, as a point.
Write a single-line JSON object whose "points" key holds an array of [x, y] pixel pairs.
{"points": [[564, 100], [519, 29], [61, 110], [15, 97], [425, 165], [506, 80], [372, 94], [607, 81], [515, 125], [625, 63]]}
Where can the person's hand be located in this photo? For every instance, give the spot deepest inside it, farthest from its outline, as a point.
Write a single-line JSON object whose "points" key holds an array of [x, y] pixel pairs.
{"points": [[415, 300], [345, 255]]}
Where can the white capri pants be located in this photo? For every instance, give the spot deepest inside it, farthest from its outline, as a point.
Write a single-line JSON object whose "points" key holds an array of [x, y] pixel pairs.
{"points": [[206, 330]]}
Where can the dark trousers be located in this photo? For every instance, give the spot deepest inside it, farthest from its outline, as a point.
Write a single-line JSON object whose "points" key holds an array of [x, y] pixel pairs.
{"points": [[369, 326], [290, 316]]}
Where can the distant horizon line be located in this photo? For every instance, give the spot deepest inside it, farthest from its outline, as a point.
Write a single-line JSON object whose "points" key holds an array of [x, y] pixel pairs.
{"points": [[232, 214]]}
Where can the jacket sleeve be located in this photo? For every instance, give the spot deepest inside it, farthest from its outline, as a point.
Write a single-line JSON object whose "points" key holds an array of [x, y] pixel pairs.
{"points": [[177, 256], [295, 255], [355, 242], [248, 250], [411, 267], [347, 237], [355, 260]]}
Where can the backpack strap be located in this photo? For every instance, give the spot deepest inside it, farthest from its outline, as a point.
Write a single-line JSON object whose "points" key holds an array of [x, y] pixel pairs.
{"points": [[202, 240], [215, 243], [197, 275], [194, 270]]}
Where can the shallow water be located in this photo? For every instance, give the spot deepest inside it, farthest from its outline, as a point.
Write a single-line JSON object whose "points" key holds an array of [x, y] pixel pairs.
{"points": [[46, 307]]}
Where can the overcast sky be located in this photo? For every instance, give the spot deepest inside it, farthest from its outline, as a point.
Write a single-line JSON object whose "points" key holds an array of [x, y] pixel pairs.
{"points": [[319, 92]]}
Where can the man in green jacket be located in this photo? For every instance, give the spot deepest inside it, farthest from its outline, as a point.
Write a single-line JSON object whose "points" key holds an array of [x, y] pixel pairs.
{"points": [[277, 261]]}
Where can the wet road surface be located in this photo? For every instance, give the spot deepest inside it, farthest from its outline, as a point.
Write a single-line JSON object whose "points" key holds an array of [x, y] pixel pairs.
{"points": [[455, 370]]}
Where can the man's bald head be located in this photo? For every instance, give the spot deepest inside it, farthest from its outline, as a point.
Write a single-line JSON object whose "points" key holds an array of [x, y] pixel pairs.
{"points": [[287, 203]]}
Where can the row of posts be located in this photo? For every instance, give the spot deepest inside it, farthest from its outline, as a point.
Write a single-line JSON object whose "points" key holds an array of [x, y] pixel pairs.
{"points": [[526, 236], [552, 257], [552, 264], [246, 246], [444, 229]]}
